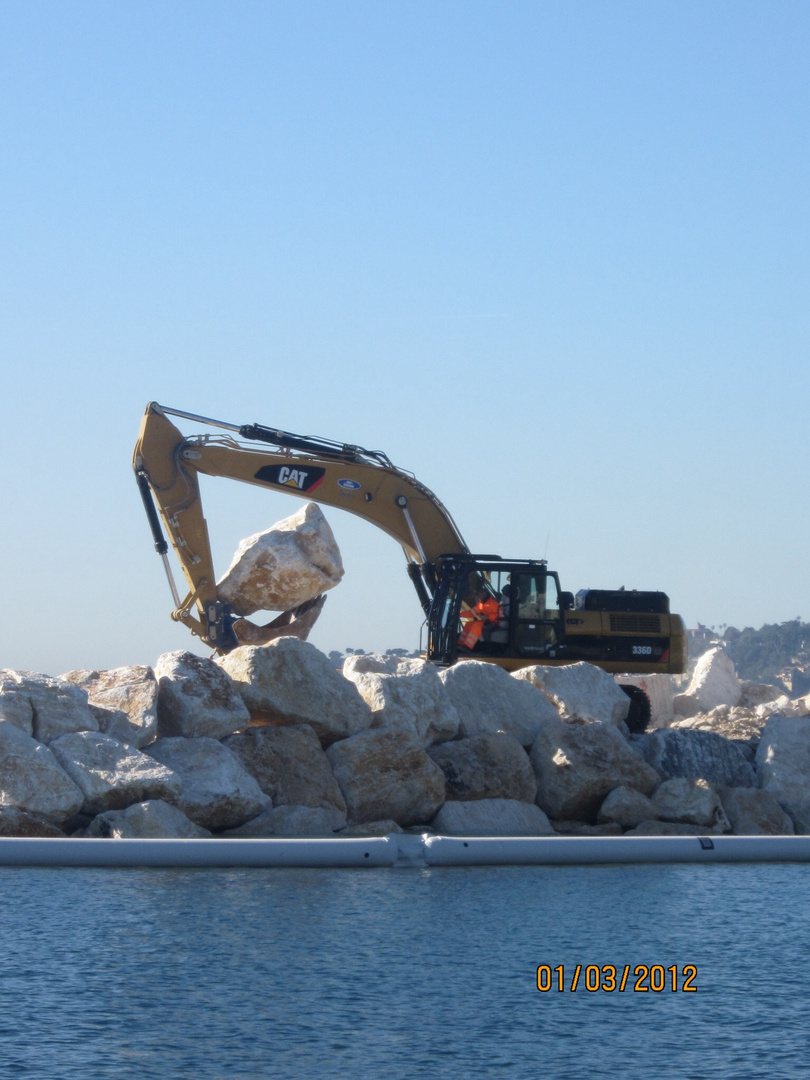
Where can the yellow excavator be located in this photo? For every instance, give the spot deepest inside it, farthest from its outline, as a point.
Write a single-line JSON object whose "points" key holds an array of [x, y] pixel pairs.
{"points": [[510, 612]]}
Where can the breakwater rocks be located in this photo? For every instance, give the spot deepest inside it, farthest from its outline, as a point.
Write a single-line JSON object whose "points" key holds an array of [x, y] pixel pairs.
{"points": [[272, 741]]}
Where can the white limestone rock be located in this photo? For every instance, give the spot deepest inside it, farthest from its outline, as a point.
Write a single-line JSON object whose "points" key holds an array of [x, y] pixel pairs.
{"points": [[660, 690], [578, 765], [16, 707], [626, 807], [293, 561], [217, 791], [289, 681], [691, 802], [755, 812], [580, 690], [152, 819], [404, 693], [289, 764], [488, 766], [694, 755], [197, 698], [714, 681], [754, 694], [491, 817], [57, 706], [783, 766], [488, 699], [111, 774], [291, 821], [32, 779], [731, 721], [123, 700], [387, 774]]}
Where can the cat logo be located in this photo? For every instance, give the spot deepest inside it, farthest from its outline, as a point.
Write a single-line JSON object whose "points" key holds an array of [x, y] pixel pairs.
{"points": [[296, 477]]}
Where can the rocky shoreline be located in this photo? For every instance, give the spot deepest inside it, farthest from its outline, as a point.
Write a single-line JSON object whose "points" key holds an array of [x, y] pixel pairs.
{"points": [[273, 741]]}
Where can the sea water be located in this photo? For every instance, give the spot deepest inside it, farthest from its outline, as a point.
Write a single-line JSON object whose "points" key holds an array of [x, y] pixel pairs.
{"points": [[404, 973]]}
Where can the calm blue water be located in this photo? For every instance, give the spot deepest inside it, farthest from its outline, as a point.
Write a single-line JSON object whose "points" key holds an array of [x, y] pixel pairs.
{"points": [[400, 973]]}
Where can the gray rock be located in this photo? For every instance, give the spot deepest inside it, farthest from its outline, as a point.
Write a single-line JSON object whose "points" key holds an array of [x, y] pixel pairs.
{"points": [[488, 699], [404, 693], [123, 701], [288, 564], [32, 779], [387, 774], [57, 707], [755, 812], [197, 698], [291, 821], [291, 682], [584, 828], [691, 802], [153, 819], [668, 828], [580, 690], [783, 766], [491, 817], [112, 774], [489, 766], [17, 822], [627, 807], [699, 755], [578, 765], [372, 828], [217, 791], [290, 765]]}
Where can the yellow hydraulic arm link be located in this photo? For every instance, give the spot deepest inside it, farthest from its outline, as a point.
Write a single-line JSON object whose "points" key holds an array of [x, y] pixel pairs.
{"points": [[362, 482]]}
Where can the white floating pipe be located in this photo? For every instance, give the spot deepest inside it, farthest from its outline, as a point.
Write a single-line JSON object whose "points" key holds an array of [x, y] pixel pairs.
{"points": [[83, 851], [582, 850]]}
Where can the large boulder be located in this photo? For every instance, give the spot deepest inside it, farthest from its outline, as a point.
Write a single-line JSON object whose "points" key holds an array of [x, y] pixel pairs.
{"points": [[387, 774], [404, 693], [17, 822], [783, 766], [488, 699], [196, 698], [32, 778], [627, 807], [293, 561], [123, 700], [690, 802], [491, 817], [290, 765], [57, 706], [111, 774], [755, 812], [289, 681], [580, 690], [714, 681], [153, 819], [291, 821], [488, 766], [577, 765], [697, 755], [217, 791]]}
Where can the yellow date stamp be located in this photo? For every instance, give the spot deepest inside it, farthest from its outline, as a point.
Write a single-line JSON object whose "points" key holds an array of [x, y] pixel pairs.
{"points": [[608, 978]]}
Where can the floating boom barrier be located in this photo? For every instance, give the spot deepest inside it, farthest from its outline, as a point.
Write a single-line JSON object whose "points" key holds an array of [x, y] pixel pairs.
{"points": [[402, 850]]}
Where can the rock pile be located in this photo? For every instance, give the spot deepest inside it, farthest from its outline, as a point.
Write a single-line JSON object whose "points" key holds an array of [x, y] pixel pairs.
{"points": [[272, 741]]}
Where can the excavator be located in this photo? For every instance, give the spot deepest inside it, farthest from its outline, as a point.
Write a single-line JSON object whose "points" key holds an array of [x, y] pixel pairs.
{"points": [[509, 612]]}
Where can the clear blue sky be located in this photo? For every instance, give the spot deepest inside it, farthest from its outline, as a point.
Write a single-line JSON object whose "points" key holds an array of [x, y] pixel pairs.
{"points": [[550, 256]]}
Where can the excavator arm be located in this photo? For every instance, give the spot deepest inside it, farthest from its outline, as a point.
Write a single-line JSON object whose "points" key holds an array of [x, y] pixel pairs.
{"points": [[365, 483]]}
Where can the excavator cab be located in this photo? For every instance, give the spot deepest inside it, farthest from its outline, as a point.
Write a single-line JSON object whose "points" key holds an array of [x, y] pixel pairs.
{"points": [[485, 608]]}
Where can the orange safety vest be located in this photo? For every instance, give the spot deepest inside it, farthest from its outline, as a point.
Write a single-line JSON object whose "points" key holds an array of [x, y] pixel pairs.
{"points": [[485, 611]]}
